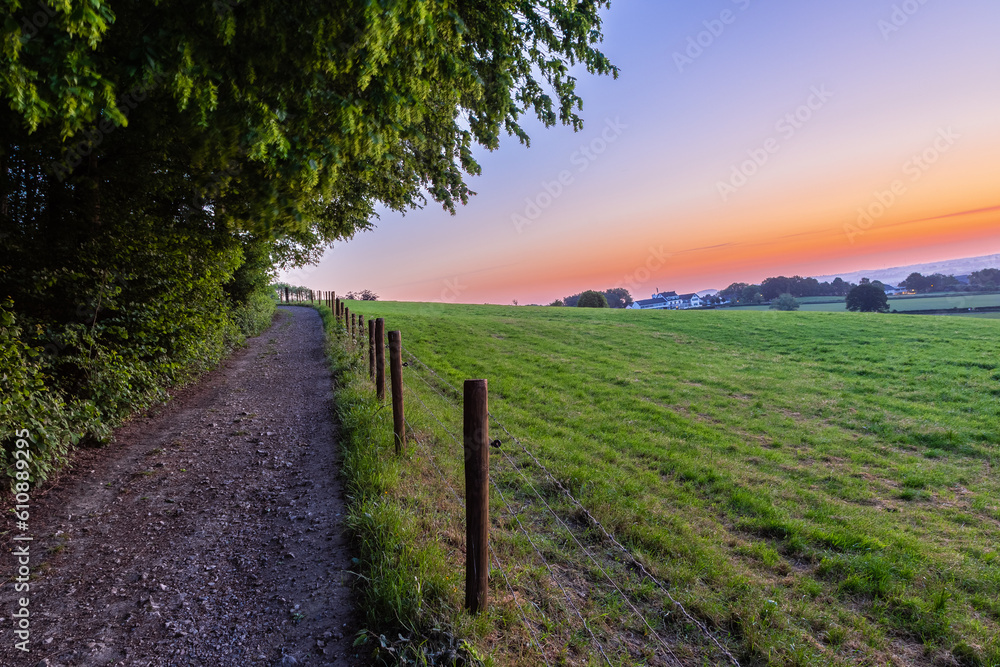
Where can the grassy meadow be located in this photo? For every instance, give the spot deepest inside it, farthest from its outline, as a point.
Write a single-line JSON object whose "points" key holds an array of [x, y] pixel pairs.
{"points": [[814, 488], [943, 301]]}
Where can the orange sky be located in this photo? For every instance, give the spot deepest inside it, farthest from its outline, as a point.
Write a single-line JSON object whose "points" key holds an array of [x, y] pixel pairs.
{"points": [[821, 112]]}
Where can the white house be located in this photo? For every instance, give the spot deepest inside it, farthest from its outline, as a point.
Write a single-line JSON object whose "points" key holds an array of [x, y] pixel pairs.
{"points": [[666, 300], [690, 301]]}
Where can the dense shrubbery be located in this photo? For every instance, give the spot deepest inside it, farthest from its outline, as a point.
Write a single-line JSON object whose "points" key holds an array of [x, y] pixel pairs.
{"points": [[152, 172], [105, 330]]}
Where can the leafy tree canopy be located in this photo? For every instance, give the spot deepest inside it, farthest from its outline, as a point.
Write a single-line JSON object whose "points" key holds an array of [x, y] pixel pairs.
{"points": [[867, 298], [785, 302], [592, 299], [616, 297], [986, 278], [751, 294], [298, 118], [159, 159], [363, 295]]}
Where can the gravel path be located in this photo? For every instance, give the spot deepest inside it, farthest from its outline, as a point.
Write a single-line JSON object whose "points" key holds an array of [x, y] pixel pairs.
{"points": [[209, 533]]}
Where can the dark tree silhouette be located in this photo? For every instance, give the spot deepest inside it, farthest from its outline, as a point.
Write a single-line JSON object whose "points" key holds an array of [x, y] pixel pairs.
{"points": [[592, 299], [867, 299]]}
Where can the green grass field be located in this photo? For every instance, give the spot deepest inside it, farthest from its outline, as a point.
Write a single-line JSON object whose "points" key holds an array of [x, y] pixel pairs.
{"points": [[816, 488], [900, 303]]}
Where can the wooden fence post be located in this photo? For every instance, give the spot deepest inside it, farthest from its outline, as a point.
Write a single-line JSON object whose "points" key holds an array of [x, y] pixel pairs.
{"points": [[380, 359], [371, 349], [396, 378], [475, 431], [354, 325], [347, 323], [361, 336]]}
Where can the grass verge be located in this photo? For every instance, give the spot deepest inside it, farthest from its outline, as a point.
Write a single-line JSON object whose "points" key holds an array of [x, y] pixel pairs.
{"points": [[405, 580]]}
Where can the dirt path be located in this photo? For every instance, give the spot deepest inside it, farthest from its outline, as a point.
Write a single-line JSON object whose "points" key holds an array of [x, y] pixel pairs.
{"points": [[208, 534]]}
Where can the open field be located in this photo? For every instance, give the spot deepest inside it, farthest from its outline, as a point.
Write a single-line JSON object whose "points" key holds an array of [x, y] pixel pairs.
{"points": [[818, 488], [900, 303]]}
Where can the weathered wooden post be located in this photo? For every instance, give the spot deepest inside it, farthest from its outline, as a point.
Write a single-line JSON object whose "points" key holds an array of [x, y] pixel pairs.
{"points": [[380, 359], [347, 323], [477, 495], [354, 325], [287, 299], [336, 310], [371, 349], [396, 378], [361, 336]]}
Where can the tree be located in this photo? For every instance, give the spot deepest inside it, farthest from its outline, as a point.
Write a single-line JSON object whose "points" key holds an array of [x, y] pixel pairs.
{"points": [[618, 297], [733, 292], [987, 279], [867, 299], [592, 299], [785, 302], [557, 302], [751, 294], [363, 295], [772, 288], [916, 282], [158, 160], [939, 281]]}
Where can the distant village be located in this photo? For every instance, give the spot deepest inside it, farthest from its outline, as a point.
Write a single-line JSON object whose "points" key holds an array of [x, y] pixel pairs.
{"points": [[668, 301], [770, 289], [675, 301]]}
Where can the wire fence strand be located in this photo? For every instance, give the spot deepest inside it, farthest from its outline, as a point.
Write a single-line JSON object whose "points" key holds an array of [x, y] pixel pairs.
{"points": [[495, 558], [632, 558]]}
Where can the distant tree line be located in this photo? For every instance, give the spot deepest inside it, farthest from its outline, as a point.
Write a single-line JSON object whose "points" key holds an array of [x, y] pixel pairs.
{"points": [[616, 297], [772, 288], [985, 280]]}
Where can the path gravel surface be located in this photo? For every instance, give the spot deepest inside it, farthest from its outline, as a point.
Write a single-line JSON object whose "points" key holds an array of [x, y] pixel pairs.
{"points": [[210, 532]]}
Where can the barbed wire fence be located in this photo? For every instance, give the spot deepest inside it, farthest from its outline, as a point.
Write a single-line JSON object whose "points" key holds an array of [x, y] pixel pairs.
{"points": [[453, 405], [635, 561], [519, 470]]}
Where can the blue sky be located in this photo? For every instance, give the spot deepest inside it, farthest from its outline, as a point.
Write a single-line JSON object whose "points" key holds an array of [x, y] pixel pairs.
{"points": [[743, 139]]}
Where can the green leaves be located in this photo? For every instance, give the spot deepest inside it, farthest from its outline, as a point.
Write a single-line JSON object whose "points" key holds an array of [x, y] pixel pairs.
{"points": [[159, 158]]}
